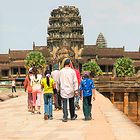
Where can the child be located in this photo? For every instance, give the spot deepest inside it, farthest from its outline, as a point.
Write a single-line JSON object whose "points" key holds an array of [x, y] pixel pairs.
{"points": [[48, 85], [87, 89], [13, 85], [28, 88], [77, 96]]}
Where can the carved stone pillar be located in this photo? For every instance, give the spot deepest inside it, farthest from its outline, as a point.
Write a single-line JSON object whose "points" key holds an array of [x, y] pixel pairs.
{"points": [[112, 97], [11, 69], [125, 107], [138, 101], [18, 70], [10, 73]]}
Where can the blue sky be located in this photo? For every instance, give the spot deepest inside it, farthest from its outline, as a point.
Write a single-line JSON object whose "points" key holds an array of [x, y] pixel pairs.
{"points": [[25, 21]]}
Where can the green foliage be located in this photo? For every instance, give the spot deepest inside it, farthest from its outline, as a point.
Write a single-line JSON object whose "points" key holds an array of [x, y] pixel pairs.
{"points": [[93, 67], [35, 58], [124, 67]]}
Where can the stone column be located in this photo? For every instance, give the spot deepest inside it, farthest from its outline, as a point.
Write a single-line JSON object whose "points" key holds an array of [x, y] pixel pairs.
{"points": [[106, 68], [18, 70], [125, 103], [10, 73], [138, 102], [112, 97]]}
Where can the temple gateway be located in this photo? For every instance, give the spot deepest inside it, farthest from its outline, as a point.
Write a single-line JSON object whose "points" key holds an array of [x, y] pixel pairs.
{"points": [[65, 38]]}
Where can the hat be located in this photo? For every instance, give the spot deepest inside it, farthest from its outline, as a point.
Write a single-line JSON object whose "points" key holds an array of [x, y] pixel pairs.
{"points": [[86, 73], [63, 62], [48, 75], [30, 69], [67, 62], [55, 67]]}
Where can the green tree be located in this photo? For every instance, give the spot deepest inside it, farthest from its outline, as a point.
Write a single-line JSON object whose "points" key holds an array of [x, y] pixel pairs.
{"points": [[93, 67], [124, 67], [35, 58]]}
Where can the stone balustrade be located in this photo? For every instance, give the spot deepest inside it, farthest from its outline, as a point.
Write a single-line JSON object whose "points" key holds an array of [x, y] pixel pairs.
{"points": [[124, 93]]}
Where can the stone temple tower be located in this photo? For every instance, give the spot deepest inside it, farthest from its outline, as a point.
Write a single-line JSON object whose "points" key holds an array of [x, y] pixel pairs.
{"points": [[101, 41], [65, 33]]}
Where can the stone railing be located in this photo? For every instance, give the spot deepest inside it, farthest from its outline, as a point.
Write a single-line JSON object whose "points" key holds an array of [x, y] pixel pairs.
{"points": [[121, 84], [124, 93]]}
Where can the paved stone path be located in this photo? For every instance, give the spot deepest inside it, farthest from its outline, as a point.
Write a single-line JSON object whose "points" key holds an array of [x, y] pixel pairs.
{"points": [[108, 123]]}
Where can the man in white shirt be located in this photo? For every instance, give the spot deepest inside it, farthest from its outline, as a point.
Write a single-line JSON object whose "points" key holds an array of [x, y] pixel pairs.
{"points": [[68, 87]]}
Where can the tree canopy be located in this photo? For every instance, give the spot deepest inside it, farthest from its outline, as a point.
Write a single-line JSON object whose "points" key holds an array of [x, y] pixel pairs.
{"points": [[36, 59], [93, 67], [124, 67]]}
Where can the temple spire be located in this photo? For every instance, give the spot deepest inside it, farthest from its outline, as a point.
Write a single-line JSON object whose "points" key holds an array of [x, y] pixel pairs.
{"points": [[101, 41], [33, 45], [9, 51]]}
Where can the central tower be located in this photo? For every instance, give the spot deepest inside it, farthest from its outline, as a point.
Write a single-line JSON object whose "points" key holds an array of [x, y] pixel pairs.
{"points": [[65, 32]]}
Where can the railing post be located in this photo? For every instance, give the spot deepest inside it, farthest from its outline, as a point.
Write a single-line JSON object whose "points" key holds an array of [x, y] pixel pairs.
{"points": [[125, 107]]}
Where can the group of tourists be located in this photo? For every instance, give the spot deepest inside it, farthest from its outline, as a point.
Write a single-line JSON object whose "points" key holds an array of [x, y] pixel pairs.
{"points": [[61, 87]]}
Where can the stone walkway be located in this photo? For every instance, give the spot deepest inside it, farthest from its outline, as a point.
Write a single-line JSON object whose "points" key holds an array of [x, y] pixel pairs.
{"points": [[108, 123]]}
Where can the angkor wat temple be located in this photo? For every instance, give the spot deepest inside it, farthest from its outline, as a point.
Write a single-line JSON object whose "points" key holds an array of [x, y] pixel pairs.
{"points": [[65, 38]]}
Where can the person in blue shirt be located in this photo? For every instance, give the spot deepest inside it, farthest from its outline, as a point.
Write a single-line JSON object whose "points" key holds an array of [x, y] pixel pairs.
{"points": [[87, 90]]}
